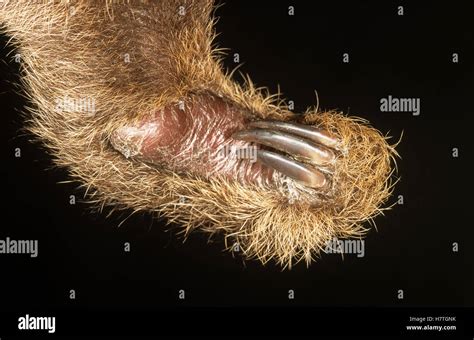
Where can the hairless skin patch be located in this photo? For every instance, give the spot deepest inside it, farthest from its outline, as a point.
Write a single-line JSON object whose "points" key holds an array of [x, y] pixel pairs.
{"points": [[171, 133], [191, 137]]}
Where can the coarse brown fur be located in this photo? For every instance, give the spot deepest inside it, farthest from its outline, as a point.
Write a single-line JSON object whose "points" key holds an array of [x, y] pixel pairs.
{"points": [[76, 49]]}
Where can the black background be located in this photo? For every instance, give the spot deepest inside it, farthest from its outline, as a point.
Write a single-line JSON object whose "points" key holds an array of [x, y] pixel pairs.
{"points": [[406, 56]]}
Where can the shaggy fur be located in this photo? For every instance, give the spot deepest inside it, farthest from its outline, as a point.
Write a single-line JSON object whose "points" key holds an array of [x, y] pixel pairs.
{"points": [[78, 49]]}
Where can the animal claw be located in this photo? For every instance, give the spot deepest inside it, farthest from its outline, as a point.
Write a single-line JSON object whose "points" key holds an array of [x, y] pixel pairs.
{"points": [[305, 131], [306, 149], [298, 171], [297, 147]]}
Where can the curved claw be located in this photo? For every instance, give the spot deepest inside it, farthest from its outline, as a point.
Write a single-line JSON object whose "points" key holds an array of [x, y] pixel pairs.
{"points": [[298, 171], [309, 132], [293, 145]]}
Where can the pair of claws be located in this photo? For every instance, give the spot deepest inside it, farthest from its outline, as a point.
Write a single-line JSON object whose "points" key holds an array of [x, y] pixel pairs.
{"points": [[307, 150]]}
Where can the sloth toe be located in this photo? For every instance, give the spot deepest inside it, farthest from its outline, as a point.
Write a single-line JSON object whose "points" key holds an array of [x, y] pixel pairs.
{"points": [[300, 172], [299, 148], [304, 148]]}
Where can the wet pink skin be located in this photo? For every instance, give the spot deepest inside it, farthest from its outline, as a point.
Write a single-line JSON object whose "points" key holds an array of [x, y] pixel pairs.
{"points": [[195, 136]]}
